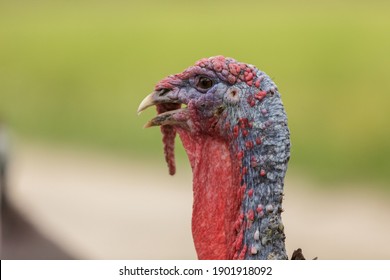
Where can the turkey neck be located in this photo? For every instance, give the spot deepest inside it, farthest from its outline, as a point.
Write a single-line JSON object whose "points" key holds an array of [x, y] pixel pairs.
{"points": [[261, 149], [237, 204], [215, 204]]}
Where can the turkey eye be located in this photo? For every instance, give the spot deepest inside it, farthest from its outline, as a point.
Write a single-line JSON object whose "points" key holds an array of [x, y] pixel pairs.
{"points": [[204, 83]]}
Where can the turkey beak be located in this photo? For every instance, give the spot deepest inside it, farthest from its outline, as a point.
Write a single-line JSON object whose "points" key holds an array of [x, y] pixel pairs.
{"points": [[171, 114], [174, 117], [146, 102], [155, 98]]}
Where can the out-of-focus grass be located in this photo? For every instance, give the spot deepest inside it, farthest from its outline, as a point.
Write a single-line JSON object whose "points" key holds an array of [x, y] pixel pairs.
{"points": [[76, 70]]}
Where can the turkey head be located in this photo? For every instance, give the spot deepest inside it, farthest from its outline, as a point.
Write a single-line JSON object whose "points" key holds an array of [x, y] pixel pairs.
{"points": [[231, 121]]}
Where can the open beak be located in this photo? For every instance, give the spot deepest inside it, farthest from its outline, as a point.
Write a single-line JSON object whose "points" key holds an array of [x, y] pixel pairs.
{"points": [[170, 115], [170, 111]]}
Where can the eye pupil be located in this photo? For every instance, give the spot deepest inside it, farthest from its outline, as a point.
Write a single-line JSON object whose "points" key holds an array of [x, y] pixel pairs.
{"points": [[205, 83]]}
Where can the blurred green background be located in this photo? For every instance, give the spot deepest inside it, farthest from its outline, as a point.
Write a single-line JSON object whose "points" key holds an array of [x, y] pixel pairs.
{"points": [[75, 72]]}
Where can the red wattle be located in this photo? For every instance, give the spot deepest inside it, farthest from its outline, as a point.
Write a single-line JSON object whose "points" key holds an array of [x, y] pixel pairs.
{"points": [[215, 207]]}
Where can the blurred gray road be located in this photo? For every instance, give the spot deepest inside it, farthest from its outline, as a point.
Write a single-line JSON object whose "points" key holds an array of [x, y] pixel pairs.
{"points": [[22, 241], [96, 206]]}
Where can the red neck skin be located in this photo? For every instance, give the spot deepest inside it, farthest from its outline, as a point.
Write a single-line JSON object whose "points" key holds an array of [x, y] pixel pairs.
{"points": [[215, 206]]}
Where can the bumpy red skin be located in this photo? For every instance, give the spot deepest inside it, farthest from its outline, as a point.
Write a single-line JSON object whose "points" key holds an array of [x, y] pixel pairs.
{"points": [[215, 203], [169, 134], [232, 182]]}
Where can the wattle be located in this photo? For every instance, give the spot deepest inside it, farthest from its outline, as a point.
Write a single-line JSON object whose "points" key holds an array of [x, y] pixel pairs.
{"points": [[215, 206]]}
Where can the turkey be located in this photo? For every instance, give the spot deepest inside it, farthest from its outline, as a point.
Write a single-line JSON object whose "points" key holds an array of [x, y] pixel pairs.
{"points": [[233, 126]]}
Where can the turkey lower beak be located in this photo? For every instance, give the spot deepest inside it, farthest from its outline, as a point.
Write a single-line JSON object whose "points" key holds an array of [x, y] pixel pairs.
{"points": [[174, 117]]}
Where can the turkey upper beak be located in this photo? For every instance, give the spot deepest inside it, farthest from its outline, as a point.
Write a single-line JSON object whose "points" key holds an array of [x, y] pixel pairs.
{"points": [[156, 97], [171, 113]]}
